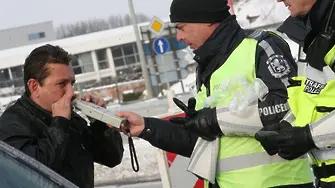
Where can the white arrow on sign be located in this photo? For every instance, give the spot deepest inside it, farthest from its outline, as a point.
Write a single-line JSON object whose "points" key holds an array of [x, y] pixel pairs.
{"points": [[160, 44]]}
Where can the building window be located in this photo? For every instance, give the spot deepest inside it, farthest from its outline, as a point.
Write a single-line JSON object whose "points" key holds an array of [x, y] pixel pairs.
{"points": [[82, 63], [17, 75], [35, 36], [125, 55], [132, 72], [102, 59], [17, 72], [4, 75], [4, 78], [127, 62]]}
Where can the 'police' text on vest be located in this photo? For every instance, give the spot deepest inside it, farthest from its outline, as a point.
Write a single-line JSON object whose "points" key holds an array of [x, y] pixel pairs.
{"points": [[313, 87]]}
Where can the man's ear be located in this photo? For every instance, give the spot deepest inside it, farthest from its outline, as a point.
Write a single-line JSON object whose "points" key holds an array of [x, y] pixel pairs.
{"points": [[33, 86]]}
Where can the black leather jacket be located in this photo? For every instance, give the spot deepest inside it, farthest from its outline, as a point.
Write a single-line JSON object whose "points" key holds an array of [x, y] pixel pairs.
{"points": [[69, 147]]}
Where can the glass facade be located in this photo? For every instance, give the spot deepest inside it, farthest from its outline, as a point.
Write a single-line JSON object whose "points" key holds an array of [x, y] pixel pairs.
{"points": [[82, 63], [102, 59]]}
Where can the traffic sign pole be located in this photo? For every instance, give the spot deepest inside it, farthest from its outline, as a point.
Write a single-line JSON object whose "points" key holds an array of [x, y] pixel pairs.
{"points": [[140, 50], [161, 45], [165, 72]]}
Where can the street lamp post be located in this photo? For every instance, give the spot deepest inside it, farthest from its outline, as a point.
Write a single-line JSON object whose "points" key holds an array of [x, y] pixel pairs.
{"points": [[140, 50]]}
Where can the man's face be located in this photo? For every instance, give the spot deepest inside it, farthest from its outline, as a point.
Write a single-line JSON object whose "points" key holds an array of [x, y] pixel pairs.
{"points": [[298, 7], [59, 81], [193, 34]]}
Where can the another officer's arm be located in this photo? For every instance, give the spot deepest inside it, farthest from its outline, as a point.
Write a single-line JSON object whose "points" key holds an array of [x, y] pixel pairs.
{"points": [[323, 132], [274, 65]]}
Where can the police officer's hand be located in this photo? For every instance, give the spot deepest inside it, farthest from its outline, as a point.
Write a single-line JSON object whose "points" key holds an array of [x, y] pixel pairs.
{"points": [[263, 137], [135, 124], [294, 142], [202, 122], [189, 110], [291, 142], [63, 106], [95, 100]]}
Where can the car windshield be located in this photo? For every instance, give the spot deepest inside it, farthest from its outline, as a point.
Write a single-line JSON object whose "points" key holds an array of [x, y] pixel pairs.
{"points": [[20, 170]]}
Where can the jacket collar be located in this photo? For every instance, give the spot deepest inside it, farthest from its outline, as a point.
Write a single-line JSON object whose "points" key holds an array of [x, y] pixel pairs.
{"points": [[317, 19], [221, 39], [214, 52], [36, 110]]}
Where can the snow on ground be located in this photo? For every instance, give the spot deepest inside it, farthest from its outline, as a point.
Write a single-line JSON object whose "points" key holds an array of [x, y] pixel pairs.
{"points": [[6, 100], [186, 82], [147, 160]]}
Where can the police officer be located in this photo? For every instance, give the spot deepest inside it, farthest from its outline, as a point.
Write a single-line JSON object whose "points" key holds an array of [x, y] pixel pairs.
{"points": [[241, 87], [311, 96]]}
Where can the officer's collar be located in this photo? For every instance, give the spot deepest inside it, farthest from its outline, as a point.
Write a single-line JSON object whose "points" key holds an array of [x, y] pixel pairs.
{"points": [[221, 38], [214, 52], [317, 18], [319, 13]]}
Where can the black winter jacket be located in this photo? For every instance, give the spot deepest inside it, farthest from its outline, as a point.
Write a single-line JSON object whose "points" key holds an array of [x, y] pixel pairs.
{"points": [[210, 56], [69, 147]]}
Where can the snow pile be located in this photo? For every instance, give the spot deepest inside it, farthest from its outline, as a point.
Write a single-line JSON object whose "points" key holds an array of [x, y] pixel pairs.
{"points": [[122, 173], [187, 82], [177, 89], [4, 101]]}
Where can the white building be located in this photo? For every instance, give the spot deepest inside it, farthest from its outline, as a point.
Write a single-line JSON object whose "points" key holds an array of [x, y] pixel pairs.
{"points": [[27, 34], [98, 56]]}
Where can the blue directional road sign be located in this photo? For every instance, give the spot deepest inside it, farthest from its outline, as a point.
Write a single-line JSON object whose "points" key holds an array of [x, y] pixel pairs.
{"points": [[161, 45]]}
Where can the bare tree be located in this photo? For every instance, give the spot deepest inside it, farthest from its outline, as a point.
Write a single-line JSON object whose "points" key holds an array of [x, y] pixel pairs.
{"points": [[94, 25]]}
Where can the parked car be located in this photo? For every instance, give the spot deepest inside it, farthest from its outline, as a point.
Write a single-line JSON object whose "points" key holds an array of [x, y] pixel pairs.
{"points": [[22, 171]]}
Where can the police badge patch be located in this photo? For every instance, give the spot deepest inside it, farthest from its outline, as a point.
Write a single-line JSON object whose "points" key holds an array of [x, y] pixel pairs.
{"points": [[278, 66]]}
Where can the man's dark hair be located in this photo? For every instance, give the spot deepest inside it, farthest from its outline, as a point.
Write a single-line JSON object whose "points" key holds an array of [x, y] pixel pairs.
{"points": [[35, 63]]}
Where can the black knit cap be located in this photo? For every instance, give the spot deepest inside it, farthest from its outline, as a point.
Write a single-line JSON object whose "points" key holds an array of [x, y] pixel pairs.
{"points": [[199, 11]]}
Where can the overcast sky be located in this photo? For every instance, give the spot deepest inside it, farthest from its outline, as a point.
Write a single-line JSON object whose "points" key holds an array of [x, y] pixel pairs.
{"points": [[15, 13]]}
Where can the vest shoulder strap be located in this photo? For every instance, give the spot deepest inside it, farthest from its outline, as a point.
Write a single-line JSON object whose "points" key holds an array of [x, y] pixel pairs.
{"points": [[260, 35]]}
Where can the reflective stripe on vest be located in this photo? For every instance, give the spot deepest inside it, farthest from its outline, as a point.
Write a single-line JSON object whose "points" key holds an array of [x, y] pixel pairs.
{"points": [[269, 51], [255, 174], [248, 161], [320, 133], [247, 125]]}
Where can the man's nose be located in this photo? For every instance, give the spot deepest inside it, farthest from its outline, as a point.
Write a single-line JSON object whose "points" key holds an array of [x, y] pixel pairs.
{"points": [[69, 88]]}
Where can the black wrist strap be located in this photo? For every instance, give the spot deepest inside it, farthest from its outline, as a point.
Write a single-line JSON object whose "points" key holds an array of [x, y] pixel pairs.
{"points": [[132, 151]]}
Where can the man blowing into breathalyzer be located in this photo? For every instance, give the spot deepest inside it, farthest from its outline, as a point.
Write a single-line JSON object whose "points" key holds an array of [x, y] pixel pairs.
{"points": [[43, 125]]}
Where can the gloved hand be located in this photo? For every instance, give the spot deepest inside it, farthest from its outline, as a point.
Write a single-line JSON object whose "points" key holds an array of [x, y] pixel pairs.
{"points": [[189, 110], [263, 134], [294, 142], [291, 142], [202, 122]]}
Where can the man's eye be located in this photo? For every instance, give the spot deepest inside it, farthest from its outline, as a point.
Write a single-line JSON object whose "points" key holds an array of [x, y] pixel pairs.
{"points": [[62, 84], [179, 27]]}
